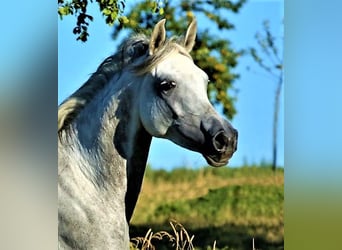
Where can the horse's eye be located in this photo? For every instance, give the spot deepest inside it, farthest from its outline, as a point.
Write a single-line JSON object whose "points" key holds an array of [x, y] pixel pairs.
{"points": [[165, 86]]}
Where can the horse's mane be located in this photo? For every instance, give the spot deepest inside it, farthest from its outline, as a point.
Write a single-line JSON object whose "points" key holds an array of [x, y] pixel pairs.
{"points": [[131, 49]]}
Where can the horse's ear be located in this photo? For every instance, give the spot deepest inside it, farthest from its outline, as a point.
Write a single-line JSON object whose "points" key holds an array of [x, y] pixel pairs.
{"points": [[190, 36], [158, 36]]}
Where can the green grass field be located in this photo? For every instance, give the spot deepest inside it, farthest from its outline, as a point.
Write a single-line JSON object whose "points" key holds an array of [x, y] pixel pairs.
{"points": [[228, 206]]}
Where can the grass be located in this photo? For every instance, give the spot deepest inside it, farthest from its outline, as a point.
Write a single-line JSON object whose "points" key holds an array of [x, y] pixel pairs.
{"points": [[178, 240], [225, 206]]}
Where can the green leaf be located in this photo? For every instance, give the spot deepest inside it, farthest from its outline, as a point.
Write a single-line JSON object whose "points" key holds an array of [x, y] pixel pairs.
{"points": [[64, 11], [106, 12], [123, 19]]}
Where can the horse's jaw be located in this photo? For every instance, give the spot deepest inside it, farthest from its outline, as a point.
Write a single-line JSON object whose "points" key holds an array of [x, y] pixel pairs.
{"points": [[217, 160]]}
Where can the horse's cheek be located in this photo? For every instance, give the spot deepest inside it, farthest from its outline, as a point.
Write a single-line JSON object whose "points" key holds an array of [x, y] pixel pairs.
{"points": [[152, 118]]}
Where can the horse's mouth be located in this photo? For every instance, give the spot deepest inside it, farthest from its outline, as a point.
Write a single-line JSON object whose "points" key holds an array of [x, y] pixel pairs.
{"points": [[217, 160]]}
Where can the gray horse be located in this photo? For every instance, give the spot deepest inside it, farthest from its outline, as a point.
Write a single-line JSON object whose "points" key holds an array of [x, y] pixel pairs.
{"points": [[150, 87]]}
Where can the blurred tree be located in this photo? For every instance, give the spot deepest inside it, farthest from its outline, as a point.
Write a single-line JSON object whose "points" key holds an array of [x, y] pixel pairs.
{"points": [[272, 64], [212, 53]]}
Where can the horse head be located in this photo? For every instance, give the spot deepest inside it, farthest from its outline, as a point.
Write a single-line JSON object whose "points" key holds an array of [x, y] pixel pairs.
{"points": [[175, 105]]}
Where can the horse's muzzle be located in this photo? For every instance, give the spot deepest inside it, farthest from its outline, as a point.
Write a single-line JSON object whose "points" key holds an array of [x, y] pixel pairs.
{"points": [[221, 143]]}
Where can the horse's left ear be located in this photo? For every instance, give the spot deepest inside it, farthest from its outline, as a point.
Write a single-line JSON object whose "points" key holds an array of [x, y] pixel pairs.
{"points": [[157, 37], [190, 36]]}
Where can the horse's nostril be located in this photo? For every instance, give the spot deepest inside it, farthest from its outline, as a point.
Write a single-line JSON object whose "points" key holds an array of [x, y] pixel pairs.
{"points": [[221, 141]]}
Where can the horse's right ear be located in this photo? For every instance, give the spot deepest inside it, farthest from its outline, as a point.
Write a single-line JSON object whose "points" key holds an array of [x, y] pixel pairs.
{"points": [[158, 36], [190, 36]]}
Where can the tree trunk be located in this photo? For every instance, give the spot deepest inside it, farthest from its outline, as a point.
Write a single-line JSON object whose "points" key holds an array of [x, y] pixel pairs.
{"points": [[275, 121]]}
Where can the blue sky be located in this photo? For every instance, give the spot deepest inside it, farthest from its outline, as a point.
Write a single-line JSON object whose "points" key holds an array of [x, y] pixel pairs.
{"points": [[255, 98]]}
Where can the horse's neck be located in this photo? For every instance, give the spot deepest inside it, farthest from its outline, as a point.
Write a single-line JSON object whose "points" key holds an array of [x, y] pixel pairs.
{"points": [[110, 128]]}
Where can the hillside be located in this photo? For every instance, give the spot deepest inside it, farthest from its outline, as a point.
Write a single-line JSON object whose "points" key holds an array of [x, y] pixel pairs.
{"points": [[228, 205]]}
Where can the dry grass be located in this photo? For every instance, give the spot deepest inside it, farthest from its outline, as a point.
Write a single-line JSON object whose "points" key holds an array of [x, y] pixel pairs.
{"points": [[179, 240]]}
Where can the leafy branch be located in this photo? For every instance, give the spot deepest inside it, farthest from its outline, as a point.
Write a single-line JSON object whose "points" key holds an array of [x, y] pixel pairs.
{"points": [[112, 10]]}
